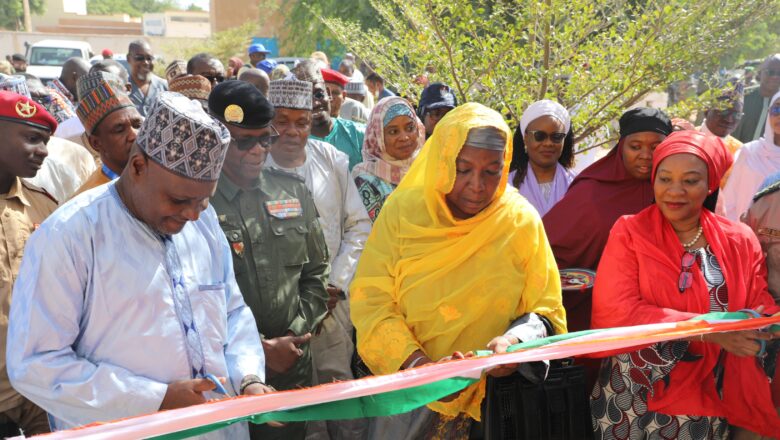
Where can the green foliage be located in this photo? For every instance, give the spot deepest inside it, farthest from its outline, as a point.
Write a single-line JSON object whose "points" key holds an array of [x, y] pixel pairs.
{"points": [[596, 57], [301, 17], [133, 8], [755, 42], [12, 13], [223, 45]]}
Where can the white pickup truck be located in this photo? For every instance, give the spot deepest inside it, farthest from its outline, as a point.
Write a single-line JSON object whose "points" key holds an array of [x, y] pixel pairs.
{"points": [[46, 57]]}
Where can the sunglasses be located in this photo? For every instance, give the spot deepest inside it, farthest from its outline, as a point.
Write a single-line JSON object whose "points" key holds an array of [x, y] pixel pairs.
{"points": [[774, 110], [140, 58], [725, 114], [214, 78], [319, 94], [249, 142], [541, 136], [772, 72], [686, 277]]}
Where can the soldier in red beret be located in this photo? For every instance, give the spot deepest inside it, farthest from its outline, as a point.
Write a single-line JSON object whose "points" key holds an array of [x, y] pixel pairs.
{"points": [[25, 127]]}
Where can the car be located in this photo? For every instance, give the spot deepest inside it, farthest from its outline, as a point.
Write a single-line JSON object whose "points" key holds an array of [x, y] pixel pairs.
{"points": [[289, 61], [121, 59], [46, 57]]}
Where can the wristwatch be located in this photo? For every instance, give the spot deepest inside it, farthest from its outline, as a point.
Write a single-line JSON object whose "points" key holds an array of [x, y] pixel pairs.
{"points": [[250, 379]]}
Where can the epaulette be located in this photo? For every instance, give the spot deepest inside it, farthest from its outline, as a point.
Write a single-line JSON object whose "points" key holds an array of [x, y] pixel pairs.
{"points": [[282, 173], [774, 187], [39, 189]]}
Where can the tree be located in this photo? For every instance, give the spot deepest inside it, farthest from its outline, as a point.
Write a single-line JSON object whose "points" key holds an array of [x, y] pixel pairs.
{"points": [[223, 45], [306, 29], [133, 8], [596, 57], [12, 13]]}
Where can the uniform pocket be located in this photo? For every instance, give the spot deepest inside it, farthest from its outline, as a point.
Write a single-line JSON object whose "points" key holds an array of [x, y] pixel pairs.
{"points": [[290, 235]]}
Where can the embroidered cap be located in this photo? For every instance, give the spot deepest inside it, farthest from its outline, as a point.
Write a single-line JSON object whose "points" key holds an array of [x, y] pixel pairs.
{"points": [[14, 83], [191, 86], [90, 81], [99, 103], [291, 93], [356, 88], [176, 69], [179, 136]]}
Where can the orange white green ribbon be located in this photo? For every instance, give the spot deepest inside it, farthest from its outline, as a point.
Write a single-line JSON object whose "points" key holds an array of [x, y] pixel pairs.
{"points": [[403, 391]]}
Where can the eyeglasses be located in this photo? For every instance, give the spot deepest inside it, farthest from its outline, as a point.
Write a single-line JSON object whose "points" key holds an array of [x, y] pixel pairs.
{"points": [[725, 114], [541, 136], [774, 110], [772, 72], [140, 58], [214, 78], [686, 277], [249, 142]]}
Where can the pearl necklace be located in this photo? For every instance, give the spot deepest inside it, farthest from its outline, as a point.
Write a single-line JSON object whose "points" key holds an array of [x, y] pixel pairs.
{"points": [[695, 239]]}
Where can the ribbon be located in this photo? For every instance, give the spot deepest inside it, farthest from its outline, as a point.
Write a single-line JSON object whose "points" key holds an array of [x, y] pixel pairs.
{"points": [[403, 391]]}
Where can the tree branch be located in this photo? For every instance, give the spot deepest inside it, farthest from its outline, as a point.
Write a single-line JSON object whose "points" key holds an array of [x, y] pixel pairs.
{"points": [[447, 46]]}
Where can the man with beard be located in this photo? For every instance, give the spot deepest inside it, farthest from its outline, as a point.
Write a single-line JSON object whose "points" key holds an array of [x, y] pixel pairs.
{"points": [[345, 223], [279, 251], [757, 100], [144, 84], [25, 127], [346, 136], [111, 121]]}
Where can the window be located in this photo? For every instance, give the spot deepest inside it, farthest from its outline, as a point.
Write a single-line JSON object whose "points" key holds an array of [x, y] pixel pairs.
{"points": [[51, 56]]}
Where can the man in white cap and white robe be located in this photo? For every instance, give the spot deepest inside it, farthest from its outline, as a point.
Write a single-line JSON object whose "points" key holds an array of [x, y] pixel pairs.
{"points": [[126, 300], [345, 223]]}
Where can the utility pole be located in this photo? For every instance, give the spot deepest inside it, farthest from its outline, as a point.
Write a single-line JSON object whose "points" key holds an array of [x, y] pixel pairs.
{"points": [[27, 17]]}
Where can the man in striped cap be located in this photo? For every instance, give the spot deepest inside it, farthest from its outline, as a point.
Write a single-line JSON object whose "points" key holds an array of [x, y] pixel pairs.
{"points": [[111, 123], [128, 302]]}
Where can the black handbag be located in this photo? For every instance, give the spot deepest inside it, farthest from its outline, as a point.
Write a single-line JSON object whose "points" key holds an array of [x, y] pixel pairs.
{"points": [[524, 407]]}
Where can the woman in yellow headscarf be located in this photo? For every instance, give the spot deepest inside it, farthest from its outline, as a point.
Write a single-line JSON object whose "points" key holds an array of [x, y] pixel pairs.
{"points": [[456, 262]]}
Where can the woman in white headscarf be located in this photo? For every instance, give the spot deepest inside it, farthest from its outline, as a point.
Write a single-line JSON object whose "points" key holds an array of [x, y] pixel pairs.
{"points": [[755, 161], [543, 154]]}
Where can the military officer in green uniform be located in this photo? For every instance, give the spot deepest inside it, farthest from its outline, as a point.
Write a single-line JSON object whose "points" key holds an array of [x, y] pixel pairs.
{"points": [[279, 251]]}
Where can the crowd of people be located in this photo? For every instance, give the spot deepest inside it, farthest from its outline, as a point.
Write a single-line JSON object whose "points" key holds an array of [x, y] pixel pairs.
{"points": [[242, 231]]}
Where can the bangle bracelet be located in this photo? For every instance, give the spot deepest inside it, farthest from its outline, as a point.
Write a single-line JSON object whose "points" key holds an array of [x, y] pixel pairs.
{"points": [[414, 362], [250, 380]]}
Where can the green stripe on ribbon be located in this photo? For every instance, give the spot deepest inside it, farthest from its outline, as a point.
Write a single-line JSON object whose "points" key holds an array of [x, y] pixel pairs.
{"points": [[378, 405], [401, 401]]}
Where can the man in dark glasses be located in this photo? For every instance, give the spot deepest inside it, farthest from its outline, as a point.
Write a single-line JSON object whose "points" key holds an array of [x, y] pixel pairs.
{"points": [[757, 100], [144, 84], [278, 247], [207, 66]]}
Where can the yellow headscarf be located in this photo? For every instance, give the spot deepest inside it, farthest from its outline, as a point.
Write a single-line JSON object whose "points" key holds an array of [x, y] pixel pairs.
{"points": [[428, 281]]}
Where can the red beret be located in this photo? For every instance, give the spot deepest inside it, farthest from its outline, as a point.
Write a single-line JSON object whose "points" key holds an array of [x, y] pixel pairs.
{"points": [[334, 76], [18, 108]]}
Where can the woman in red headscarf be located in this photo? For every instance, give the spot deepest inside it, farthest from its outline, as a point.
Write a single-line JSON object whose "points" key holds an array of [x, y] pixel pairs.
{"points": [[672, 261]]}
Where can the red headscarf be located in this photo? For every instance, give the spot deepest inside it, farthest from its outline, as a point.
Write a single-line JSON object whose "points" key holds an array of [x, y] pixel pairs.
{"points": [[637, 284], [708, 148]]}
